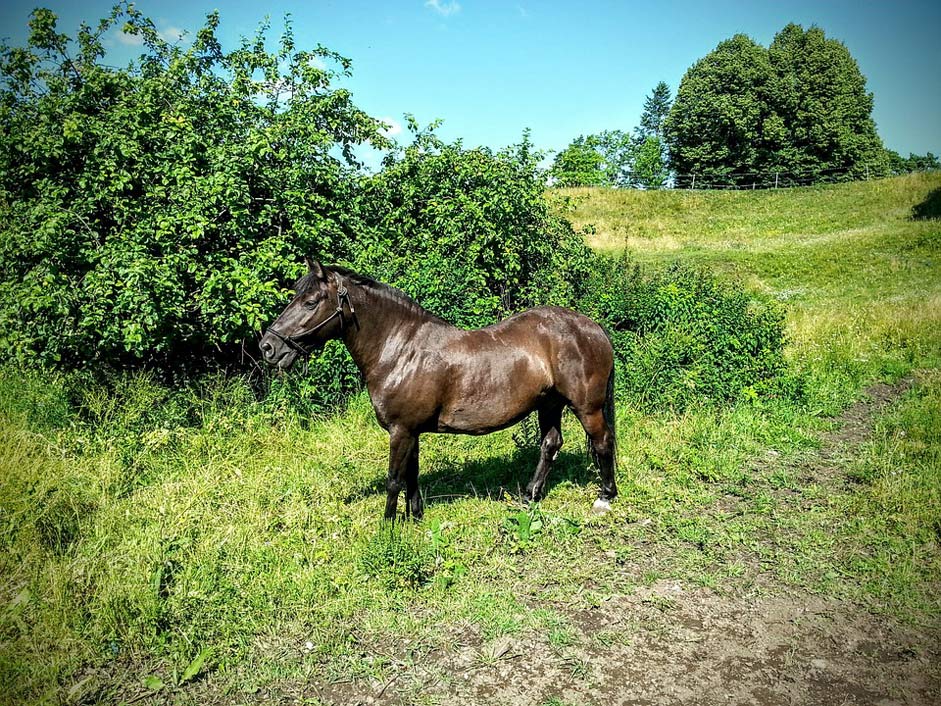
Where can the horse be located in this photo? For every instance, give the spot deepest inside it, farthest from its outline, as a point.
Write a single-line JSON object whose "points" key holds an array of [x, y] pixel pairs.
{"points": [[425, 375]]}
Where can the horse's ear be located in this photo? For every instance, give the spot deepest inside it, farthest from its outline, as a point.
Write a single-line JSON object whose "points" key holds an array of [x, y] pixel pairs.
{"points": [[315, 268]]}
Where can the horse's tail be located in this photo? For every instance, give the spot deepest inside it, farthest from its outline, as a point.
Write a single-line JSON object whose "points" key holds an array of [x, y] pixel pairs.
{"points": [[609, 417]]}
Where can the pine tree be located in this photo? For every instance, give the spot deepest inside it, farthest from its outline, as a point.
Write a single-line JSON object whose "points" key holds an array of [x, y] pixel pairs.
{"points": [[656, 108], [648, 150]]}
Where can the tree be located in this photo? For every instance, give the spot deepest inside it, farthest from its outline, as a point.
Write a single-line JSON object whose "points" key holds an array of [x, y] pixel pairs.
{"points": [[650, 168], [656, 109], [722, 123], [580, 164], [469, 232], [617, 153], [156, 214], [649, 152], [820, 95], [799, 107], [913, 163]]}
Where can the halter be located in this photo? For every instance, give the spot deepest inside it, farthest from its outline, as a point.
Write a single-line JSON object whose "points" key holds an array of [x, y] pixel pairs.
{"points": [[293, 341]]}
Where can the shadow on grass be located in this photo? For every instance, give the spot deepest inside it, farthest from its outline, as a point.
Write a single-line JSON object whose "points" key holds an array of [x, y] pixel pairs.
{"points": [[929, 209], [492, 477]]}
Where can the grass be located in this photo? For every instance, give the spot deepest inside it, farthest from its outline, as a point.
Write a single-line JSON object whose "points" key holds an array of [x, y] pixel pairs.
{"points": [[144, 528]]}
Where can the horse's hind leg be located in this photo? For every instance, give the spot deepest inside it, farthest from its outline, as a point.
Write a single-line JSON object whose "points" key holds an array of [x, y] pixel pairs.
{"points": [[413, 499], [550, 428], [601, 438]]}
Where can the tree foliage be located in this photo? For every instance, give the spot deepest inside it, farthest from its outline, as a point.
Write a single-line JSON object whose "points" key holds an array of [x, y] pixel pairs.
{"points": [[821, 99], [656, 109], [800, 106], [159, 210], [468, 232], [913, 163], [617, 154], [616, 158], [580, 164], [649, 163], [722, 121], [156, 215]]}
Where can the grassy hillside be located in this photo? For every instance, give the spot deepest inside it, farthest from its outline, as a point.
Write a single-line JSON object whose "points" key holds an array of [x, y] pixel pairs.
{"points": [[146, 531], [856, 264]]}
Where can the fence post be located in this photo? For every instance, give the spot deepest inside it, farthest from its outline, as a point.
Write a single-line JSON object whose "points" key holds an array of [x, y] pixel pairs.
{"points": [[775, 180], [693, 187]]}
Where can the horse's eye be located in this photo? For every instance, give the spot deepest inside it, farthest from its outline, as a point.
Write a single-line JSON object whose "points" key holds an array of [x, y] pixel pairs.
{"points": [[312, 304]]}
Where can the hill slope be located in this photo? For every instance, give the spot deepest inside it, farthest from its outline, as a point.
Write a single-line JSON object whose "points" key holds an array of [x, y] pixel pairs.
{"points": [[855, 263]]}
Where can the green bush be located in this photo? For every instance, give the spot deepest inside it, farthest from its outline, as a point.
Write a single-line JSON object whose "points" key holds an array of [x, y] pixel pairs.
{"points": [[468, 232], [323, 383], [682, 334], [155, 214]]}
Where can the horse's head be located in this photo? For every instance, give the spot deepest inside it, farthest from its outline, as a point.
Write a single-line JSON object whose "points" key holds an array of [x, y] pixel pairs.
{"points": [[314, 316]]}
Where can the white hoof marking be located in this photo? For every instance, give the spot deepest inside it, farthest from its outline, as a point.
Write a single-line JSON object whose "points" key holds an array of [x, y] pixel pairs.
{"points": [[600, 507]]}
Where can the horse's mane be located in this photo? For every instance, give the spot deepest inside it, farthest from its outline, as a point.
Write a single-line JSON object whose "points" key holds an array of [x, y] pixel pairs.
{"points": [[384, 291]]}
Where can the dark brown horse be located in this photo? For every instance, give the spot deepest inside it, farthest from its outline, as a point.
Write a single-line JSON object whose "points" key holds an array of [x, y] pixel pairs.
{"points": [[425, 375]]}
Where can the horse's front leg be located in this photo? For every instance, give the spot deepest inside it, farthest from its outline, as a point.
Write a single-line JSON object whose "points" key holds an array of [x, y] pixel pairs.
{"points": [[402, 445]]}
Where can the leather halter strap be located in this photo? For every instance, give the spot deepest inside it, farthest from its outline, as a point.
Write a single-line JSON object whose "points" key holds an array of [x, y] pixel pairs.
{"points": [[293, 341]]}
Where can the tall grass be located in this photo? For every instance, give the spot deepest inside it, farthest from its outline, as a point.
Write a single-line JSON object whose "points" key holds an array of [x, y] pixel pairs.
{"points": [[144, 525]]}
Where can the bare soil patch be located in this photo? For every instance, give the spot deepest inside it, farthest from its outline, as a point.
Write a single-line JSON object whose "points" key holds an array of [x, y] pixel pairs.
{"points": [[675, 645], [672, 644]]}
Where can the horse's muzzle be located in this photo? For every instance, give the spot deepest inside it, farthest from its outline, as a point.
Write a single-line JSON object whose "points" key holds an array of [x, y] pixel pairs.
{"points": [[274, 352]]}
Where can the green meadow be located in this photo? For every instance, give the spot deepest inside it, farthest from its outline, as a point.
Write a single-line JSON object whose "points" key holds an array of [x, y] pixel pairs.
{"points": [[187, 546]]}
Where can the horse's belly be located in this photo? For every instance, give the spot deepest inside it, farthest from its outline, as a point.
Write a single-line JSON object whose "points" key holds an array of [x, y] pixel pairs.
{"points": [[482, 414], [476, 421]]}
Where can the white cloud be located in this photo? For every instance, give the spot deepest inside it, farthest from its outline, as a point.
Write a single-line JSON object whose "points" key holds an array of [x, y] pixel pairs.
{"points": [[169, 33], [130, 40], [445, 8], [172, 34], [392, 127]]}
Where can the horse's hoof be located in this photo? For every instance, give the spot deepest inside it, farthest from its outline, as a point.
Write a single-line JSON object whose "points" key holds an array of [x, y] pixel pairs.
{"points": [[600, 507]]}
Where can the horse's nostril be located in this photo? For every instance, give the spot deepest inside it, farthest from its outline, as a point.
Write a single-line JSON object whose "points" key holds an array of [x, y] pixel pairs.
{"points": [[266, 348]]}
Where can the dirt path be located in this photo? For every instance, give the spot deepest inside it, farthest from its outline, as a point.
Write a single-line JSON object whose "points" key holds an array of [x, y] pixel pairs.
{"points": [[670, 643], [694, 647]]}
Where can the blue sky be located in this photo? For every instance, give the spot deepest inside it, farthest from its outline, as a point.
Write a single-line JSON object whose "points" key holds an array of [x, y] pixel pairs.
{"points": [[491, 69]]}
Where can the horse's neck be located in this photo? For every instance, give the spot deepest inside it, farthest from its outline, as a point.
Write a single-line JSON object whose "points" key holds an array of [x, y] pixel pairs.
{"points": [[384, 326]]}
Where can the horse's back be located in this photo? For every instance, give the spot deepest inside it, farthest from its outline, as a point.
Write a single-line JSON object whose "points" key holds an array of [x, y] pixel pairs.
{"points": [[545, 350], [562, 334]]}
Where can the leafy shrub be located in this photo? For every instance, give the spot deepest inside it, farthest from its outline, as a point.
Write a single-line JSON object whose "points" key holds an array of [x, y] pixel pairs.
{"points": [[324, 383], [468, 232], [683, 334], [155, 214]]}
